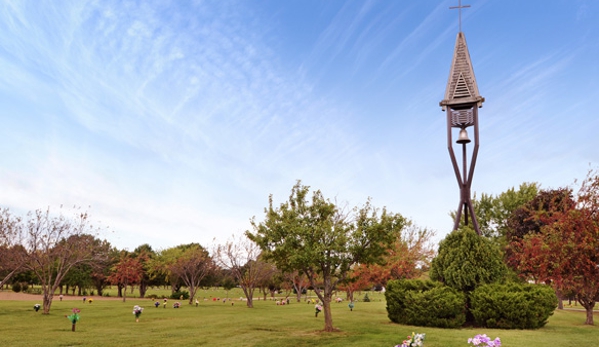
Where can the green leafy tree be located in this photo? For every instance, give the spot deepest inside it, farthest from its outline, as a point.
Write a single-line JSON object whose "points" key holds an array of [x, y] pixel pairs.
{"points": [[315, 237], [228, 283], [79, 278], [494, 211], [159, 267]]}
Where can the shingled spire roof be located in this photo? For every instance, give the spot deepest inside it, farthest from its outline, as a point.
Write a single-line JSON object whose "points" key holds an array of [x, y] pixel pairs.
{"points": [[461, 85]]}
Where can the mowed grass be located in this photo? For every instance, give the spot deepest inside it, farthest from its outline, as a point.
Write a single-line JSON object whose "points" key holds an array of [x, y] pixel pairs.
{"points": [[110, 322]]}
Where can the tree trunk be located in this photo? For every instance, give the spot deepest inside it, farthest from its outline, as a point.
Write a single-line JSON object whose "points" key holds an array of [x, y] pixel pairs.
{"points": [[328, 318], [588, 304], [560, 303], [47, 300], [589, 320], [143, 288], [249, 296], [325, 296], [192, 293]]}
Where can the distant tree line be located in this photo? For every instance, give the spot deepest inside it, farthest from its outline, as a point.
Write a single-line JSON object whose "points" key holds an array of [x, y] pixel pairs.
{"points": [[61, 251]]}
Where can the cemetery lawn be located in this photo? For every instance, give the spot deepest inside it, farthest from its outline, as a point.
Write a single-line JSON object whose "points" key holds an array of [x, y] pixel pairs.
{"points": [[110, 322]]}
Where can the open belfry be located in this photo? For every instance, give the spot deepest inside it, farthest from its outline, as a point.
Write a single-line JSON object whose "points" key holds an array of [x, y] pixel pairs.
{"points": [[461, 102]]}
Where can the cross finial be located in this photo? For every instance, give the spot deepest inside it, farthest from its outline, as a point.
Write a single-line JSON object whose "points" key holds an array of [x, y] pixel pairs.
{"points": [[459, 7]]}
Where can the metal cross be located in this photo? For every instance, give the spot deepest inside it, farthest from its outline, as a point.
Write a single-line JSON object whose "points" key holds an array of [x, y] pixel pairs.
{"points": [[459, 7]]}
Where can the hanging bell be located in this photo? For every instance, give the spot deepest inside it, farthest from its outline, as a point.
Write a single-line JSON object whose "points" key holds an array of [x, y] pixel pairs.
{"points": [[463, 138]]}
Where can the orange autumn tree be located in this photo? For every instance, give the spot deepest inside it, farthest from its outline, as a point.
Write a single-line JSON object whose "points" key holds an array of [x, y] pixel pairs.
{"points": [[409, 256], [128, 271], [359, 279]]}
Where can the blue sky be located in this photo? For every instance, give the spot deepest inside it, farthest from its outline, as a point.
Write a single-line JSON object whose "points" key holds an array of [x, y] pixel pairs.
{"points": [[173, 121]]}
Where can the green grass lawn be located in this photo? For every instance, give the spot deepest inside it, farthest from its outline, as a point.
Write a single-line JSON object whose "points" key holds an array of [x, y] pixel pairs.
{"points": [[109, 322]]}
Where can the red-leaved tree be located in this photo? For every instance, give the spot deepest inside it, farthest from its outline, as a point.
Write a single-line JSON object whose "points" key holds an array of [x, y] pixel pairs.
{"points": [[128, 271], [566, 252]]}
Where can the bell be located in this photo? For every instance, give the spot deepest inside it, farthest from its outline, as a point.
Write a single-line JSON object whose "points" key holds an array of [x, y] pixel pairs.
{"points": [[463, 138]]}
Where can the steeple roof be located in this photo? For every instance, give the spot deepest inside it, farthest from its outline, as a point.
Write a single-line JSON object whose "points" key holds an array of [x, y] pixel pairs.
{"points": [[461, 85]]}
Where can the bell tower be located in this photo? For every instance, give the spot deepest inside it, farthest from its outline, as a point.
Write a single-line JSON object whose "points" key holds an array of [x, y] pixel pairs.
{"points": [[461, 103]]}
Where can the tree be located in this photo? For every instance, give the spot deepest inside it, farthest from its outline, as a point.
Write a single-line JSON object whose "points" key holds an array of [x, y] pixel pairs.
{"points": [[565, 252], [493, 212], [410, 254], [102, 270], [159, 268], [12, 253], [128, 271], [192, 266], [228, 283], [241, 258], [298, 281], [79, 278], [359, 278], [144, 253], [544, 209], [315, 237], [270, 284], [55, 244]]}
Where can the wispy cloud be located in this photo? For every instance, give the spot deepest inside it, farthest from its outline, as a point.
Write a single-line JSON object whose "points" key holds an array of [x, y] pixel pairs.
{"points": [[171, 117]]}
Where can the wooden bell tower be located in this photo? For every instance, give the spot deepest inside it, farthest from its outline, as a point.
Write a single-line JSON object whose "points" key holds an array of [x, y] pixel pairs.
{"points": [[461, 103]]}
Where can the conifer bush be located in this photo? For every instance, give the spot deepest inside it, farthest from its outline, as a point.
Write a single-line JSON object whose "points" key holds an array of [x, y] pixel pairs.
{"points": [[179, 294], [425, 303], [16, 287], [512, 306]]}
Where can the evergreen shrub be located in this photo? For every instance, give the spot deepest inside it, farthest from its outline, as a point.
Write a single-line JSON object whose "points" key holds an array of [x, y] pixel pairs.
{"points": [[425, 303], [512, 305], [177, 295], [16, 287]]}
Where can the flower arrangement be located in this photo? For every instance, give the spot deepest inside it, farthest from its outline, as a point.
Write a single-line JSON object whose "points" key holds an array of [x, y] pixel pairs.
{"points": [[74, 317], [414, 340], [36, 307], [318, 308], [177, 305], [90, 300], [137, 312], [484, 341], [351, 306]]}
